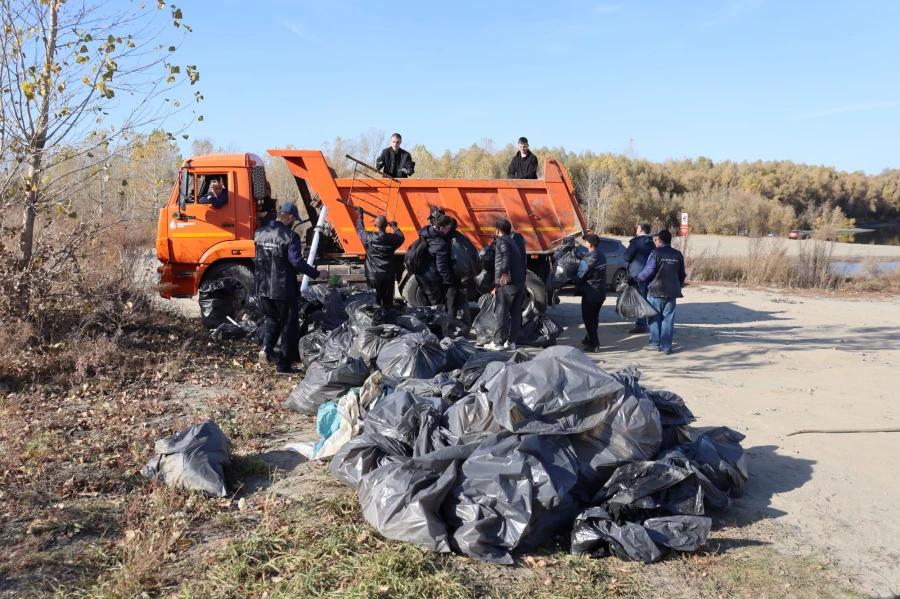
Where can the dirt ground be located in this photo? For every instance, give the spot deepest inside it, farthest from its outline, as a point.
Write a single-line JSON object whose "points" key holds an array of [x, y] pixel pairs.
{"points": [[766, 364]]}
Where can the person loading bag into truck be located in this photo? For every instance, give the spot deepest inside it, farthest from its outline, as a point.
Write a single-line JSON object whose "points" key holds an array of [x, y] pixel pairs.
{"points": [[380, 249]]}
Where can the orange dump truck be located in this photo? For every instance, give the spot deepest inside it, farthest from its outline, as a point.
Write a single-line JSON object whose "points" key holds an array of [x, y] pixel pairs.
{"points": [[197, 242]]}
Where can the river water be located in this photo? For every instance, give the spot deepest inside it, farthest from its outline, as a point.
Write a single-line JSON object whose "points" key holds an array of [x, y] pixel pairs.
{"points": [[880, 235]]}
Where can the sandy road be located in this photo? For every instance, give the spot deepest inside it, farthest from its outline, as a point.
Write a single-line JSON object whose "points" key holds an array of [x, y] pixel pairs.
{"points": [[767, 364]]}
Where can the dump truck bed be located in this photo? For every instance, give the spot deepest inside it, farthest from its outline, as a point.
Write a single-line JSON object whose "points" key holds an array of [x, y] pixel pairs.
{"points": [[543, 210]]}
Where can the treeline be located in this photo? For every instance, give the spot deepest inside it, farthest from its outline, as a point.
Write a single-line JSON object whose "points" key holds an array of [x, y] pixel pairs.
{"points": [[726, 198]]}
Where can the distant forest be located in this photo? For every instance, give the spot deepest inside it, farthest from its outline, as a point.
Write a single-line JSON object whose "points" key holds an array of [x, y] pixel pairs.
{"points": [[617, 190]]}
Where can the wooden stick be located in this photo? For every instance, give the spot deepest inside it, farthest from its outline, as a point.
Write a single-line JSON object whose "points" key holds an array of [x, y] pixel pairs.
{"points": [[847, 430]]}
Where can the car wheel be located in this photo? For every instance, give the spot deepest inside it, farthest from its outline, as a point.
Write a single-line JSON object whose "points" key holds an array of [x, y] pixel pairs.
{"points": [[618, 278]]}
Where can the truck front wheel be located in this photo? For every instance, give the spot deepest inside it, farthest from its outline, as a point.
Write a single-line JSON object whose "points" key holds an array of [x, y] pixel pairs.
{"points": [[238, 271]]}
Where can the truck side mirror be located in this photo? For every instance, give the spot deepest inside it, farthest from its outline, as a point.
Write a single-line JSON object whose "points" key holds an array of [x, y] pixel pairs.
{"points": [[183, 190]]}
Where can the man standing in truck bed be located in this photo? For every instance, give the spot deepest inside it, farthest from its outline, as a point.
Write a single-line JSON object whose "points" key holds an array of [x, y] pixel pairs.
{"points": [[380, 248], [279, 258], [524, 163], [395, 161]]}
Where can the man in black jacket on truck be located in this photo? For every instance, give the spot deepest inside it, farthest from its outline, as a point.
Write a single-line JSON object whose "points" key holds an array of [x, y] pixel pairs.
{"points": [[395, 161], [524, 164], [639, 249], [380, 248], [279, 258], [439, 275], [509, 278]]}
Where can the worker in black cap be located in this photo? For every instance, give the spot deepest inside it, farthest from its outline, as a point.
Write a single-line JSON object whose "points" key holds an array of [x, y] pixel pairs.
{"points": [[591, 281], [279, 258]]}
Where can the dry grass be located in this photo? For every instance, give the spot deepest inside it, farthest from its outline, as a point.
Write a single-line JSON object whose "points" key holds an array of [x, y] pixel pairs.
{"points": [[767, 264]]}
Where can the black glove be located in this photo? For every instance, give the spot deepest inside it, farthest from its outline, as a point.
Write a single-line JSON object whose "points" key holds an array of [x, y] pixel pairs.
{"points": [[359, 211], [631, 281], [393, 224]]}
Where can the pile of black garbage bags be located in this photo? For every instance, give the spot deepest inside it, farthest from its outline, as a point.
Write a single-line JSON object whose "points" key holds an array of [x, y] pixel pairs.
{"points": [[490, 454]]}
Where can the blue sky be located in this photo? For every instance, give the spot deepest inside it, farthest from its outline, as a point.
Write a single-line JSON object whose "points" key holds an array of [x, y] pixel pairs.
{"points": [[814, 82]]}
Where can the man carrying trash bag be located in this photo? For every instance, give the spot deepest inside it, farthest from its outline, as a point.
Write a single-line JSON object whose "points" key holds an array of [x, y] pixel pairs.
{"points": [[591, 281], [665, 274], [639, 250], [279, 258]]}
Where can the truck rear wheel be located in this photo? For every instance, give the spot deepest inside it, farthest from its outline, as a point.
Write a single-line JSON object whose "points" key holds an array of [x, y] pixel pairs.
{"points": [[411, 292], [240, 272], [535, 293]]}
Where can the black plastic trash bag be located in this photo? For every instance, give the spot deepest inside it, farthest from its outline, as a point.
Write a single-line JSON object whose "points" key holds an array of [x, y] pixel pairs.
{"points": [[364, 315], [642, 490], [484, 282], [512, 493], [336, 345], [713, 497], [332, 314], [673, 415], [414, 420], [227, 331], [192, 459], [458, 352], [565, 266], [631, 304], [363, 454], [538, 330], [310, 346], [217, 301], [721, 458], [560, 391], [435, 318], [367, 343], [471, 419], [402, 501], [475, 366], [441, 386], [415, 355], [485, 323], [464, 256], [325, 383], [595, 533]]}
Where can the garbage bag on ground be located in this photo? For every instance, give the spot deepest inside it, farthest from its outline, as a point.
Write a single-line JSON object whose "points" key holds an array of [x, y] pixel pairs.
{"points": [[402, 500], [336, 345], [363, 315], [435, 318], [512, 493], [538, 330], [332, 314], [565, 266], [227, 330], [192, 459], [641, 490], [441, 386], [471, 419], [475, 366], [673, 415], [310, 346], [415, 355], [631, 304], [595, 533], [458, 352], [485, 323], [414, 420], [324, 383], [484, 282], [368, 342], [721, 458], [560, 391], [217, 301]]}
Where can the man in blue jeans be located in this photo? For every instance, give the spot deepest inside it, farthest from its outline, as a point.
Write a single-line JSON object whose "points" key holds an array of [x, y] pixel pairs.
{"points": [[665, 274]]}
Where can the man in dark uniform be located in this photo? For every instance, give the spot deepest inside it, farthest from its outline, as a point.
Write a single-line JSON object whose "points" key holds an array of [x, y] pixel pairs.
{"points": [[591, 281], [509, 279], [439, 276], [665, 274], [524, 164], [395, 161], [278, 260], [380, 249], [639, 249]]}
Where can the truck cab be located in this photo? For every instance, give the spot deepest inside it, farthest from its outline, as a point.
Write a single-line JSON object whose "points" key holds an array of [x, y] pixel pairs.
{"points": [[196, 241]]}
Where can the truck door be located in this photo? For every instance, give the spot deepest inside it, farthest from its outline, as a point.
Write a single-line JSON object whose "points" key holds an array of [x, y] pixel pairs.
{"points": [[203, 225]]}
